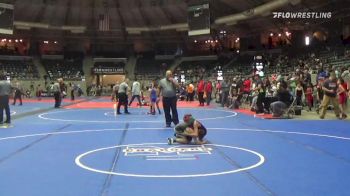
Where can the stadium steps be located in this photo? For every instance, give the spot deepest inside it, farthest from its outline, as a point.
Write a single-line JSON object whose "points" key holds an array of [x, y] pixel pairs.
{"points": [[40, 66], [175, 63], [88, 64], [131, 66]]}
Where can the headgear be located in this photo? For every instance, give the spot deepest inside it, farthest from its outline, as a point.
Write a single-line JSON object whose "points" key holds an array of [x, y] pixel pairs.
{"points": [[187, 118]]}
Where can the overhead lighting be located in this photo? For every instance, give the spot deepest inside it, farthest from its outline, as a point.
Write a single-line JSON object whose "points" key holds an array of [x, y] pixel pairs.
{"points": [[216, 41], [279, 35], [307, 40], [55, 42], [20, 40], [206, 41], [237, 51], [16, 40], [10, 40], [211, 41], [46, 42]]}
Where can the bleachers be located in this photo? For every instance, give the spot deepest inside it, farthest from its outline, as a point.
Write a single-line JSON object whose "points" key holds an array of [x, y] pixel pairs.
{"points": [[66, 69], [148, 68], [19, 69]]}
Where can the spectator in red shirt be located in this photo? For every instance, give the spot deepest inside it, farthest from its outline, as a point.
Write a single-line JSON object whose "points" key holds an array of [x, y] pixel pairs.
{"points": [[200, 91], [208, 90], [247, 86]]}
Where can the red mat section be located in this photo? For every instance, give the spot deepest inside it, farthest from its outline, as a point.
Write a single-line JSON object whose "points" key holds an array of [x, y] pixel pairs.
{"points": [[46, 100], [91, 104]]}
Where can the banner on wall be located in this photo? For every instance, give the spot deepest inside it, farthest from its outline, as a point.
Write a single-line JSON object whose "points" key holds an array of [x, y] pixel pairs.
{"points": [[108, 70]]}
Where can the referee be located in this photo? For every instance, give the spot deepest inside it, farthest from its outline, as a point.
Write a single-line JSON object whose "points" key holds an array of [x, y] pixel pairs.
{"points": [[123, 96], [5, 90], [167, 86]]}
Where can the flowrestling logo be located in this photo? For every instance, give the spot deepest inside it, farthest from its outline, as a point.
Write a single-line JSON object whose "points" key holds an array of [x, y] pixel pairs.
{"points": [[172, 153], [302, 15]]}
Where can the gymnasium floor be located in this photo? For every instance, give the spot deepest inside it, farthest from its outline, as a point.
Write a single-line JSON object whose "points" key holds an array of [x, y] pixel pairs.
{"points": [[85, 149]]}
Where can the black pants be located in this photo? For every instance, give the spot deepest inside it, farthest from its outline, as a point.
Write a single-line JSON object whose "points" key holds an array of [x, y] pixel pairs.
{"points": [[18, 95], [200, 98], [299, 100], [138, 98], [122, 100], [4, 105], [259, 103], [208, 98], [72, 95], [57, 97], [170, 103], [190, 96]]}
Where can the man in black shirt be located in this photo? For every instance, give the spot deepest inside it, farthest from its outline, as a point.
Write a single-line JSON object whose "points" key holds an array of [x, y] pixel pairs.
{"points": [[330, 88]]}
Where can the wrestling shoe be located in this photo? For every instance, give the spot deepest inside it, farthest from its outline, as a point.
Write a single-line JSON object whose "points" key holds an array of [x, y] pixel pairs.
{"points": [[170, 141]]}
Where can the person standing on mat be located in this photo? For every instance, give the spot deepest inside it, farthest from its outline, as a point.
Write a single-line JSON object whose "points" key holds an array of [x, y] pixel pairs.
{"points": [[18, 93], [56, 90], [135, 91], [167, 88], [5, 90], [123, 96]]}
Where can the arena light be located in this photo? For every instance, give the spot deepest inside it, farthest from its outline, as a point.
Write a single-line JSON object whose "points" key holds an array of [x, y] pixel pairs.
{"points": [[271, 34], [10, 40], [55, 42], [307, 40], [21, 40], [46, 42], [279, 35], [216, 41], [237, 51], [206, 42], [16, 40]]}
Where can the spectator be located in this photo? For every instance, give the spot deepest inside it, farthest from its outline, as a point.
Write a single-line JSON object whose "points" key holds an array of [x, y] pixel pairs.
{"points": [[342, 90], [330, 88], [200, 90], [208, 91]]}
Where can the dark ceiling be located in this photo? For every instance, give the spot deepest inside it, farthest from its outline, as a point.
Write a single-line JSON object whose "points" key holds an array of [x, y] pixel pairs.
{"points": [[154, 13]]}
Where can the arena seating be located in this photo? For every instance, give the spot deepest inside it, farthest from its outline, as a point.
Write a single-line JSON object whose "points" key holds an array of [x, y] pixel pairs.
{"points": [[19, 69], [149, 68], [66, 69]]}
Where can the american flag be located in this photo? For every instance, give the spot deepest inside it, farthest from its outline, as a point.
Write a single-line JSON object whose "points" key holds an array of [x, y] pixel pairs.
{"points": [[103, 22]]}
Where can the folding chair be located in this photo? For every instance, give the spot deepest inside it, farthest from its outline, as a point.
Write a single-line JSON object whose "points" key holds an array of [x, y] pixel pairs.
{"points": [[290, 111]]}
